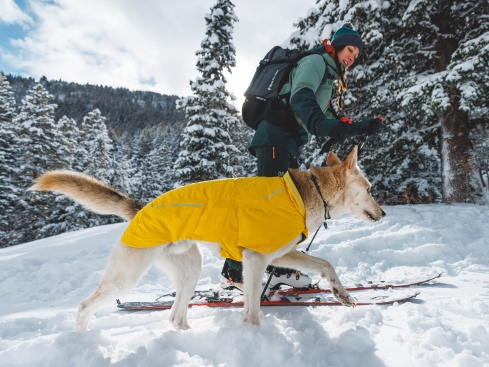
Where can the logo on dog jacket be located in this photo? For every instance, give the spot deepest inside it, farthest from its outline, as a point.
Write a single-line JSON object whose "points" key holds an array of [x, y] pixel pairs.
{"points": [[259, 213]]}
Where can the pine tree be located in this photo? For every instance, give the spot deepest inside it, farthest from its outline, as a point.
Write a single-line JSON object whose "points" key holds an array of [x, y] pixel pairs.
{"points": [[39, 148], [207, 149], [425, 69], [63, 216], [8, 166], [457, 95], [143, 145], [172, 138], [243, 162], [94, 157], [70, 133], [160, 163], [123, 166], [122, 179], [95, 141]]}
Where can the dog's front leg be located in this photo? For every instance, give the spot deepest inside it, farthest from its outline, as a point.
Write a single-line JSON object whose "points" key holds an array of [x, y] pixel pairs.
{"points": [[254, 265], [299, 260]]}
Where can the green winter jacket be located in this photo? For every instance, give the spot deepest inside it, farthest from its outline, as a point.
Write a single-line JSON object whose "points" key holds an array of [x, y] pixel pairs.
{"points": [[309, 102]]}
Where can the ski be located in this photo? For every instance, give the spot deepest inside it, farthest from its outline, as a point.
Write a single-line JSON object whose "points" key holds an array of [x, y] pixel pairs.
{"points": [[366, 293], [361, 286], [219, 299]]}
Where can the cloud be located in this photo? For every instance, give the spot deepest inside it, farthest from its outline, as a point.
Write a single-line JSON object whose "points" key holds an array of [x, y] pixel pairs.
{"points": [[137, 45], [144, 45], [10, 13]]}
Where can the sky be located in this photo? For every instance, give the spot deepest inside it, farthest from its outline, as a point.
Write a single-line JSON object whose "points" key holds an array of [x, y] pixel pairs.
{"points": [[139, 45]]}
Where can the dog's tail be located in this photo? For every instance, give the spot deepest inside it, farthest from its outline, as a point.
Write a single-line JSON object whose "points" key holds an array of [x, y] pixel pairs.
{"points": [[89, 192]]}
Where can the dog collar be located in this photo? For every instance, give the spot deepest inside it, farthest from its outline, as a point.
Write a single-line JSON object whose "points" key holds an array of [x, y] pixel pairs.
{"points": [[326, 207]]}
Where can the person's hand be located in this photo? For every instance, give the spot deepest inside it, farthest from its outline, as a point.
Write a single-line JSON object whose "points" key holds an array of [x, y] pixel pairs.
{"points": [[374, 125], [341, 130]]}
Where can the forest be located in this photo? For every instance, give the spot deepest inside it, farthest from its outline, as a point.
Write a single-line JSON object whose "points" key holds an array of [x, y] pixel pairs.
{"points": [[123, 109]]}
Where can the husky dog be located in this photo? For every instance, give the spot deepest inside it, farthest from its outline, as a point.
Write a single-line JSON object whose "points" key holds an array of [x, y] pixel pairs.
{"points": [[317, 194]]}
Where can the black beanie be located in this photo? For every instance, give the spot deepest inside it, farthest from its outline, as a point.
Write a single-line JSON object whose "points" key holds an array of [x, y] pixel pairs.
{"points": [[346, 36]]}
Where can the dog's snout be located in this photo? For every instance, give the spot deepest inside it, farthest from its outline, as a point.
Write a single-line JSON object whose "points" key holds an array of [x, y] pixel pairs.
{"points": [[383, 213]]}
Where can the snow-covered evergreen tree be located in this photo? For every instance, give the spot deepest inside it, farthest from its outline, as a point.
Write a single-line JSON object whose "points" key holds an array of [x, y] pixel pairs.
{"points": [[122, 178], [70, 134], [424, 67], [95, 141], [63, 216], [207, 148], [123, 166], [94, 157], [171, 149], [8, 165], [38, 140], [143, 145], [244, 163], [159, 164], [144, 164], [39, 148], [156, 167], [456, 96]]}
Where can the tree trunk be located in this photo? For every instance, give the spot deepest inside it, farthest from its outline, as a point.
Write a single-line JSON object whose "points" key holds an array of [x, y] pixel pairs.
{"points": [[460, 183], [459, 172]]}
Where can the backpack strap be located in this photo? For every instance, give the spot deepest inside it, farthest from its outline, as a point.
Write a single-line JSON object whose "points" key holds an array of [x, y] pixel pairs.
{"points": [[327, 74]]}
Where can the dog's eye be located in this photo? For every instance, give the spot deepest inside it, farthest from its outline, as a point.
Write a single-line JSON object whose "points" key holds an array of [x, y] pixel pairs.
{"points": [[368, 190]]}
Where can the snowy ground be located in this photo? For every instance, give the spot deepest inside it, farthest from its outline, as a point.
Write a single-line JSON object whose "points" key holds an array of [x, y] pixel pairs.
{"points": [[42, 282]]}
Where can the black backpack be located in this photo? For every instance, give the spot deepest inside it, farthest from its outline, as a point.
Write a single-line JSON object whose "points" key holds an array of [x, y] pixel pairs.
{"points": [[262, 96]]}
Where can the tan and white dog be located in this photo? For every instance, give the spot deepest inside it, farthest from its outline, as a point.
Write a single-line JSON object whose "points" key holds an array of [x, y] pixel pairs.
{"points": [[341, 185]]}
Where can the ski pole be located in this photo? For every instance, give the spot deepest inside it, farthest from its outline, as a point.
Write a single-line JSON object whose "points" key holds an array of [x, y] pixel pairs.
{"points": [[326, 148], [262, 297], [329, 144], [361, 143]]}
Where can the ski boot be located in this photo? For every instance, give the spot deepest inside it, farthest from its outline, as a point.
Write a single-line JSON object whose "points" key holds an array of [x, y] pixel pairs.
{"points": [[290, 277], [232, 275]]}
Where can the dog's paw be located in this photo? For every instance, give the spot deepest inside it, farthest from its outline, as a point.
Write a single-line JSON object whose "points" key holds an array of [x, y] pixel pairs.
{"points": [[252, 320], [181, 325], [344, 298], [81, 325]]}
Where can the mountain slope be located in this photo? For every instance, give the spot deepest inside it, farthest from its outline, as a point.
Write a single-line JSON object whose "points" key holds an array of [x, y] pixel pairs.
{"points": [[125, 110]]}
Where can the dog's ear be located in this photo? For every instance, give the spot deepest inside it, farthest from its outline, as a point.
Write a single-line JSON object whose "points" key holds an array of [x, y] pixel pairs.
{"points": [[351, 161], [332, 160]]}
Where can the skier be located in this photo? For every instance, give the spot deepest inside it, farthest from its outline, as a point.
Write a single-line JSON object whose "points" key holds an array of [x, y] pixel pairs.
{"points": [[277, 150]]}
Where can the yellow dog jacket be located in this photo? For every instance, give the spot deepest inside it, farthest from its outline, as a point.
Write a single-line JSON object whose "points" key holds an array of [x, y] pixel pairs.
{"points": [[259, 213]]}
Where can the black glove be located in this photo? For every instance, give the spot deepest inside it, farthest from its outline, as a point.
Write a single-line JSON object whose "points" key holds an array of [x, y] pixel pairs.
{"points": [[341, 130], [374, 125]]}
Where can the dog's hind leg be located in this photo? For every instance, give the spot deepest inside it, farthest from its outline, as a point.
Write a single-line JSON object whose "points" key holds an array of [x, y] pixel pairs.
{"points": [[126, 266], [183, 262], [299, 260], [254, 265]]}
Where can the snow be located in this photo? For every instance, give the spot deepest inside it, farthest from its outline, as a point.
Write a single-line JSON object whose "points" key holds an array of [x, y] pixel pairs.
{"points": [[343, 5], [42, 282], [412, 8]]}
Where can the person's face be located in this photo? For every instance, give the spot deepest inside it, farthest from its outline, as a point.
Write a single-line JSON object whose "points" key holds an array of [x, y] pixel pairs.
{"points": [[348, 55]]}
